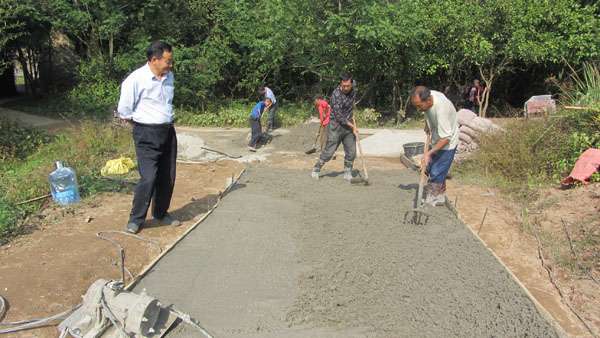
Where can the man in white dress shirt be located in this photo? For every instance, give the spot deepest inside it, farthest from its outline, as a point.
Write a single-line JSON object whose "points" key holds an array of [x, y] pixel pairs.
{"points": [[147, 103]]}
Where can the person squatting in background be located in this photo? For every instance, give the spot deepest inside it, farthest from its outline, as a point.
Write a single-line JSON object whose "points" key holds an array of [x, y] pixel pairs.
{"points": [[255, 126]]}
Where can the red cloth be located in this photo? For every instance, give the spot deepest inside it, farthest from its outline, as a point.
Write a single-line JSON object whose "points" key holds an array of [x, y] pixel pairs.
{"points": [[587, 164], [324, 111]]}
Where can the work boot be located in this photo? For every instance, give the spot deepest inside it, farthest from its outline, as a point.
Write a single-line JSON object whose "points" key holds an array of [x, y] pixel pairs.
{"points": [[437, 200], [435, 196], [348, 174], [132, 228], [315, 174], [168, 220], [317, 169]]}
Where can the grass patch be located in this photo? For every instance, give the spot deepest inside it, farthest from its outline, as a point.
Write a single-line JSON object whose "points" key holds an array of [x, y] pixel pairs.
{"points": [[236, 114], [17, 142], [532, 154], [86, 101], [85, 148]]}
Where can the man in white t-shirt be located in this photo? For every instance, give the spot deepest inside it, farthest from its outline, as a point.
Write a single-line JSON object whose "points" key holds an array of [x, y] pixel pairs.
{"points": [[440, 116]]}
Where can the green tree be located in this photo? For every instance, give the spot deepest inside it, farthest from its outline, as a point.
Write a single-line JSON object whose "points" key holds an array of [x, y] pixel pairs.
{"points": [[504, 34]]}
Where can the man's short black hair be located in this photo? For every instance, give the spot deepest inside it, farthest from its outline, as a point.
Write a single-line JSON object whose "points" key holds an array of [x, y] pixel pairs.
{"points": [[156, 49], [345, 77], [421, 91]]}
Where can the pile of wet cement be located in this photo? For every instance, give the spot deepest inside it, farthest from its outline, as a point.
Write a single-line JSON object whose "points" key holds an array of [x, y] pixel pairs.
{"points": [[299, 139]]}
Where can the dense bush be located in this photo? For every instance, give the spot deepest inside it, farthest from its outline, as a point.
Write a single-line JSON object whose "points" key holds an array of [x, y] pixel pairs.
{"points": [[225, 49], [95, 100], [17, 142]]}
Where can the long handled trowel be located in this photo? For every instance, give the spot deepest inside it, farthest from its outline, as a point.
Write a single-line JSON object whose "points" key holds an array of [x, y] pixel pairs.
{"points": [[314, 147]]}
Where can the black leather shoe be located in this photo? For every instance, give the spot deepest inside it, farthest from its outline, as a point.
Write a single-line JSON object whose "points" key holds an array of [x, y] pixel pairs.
{"points": [[168, 220], [133, 228]]}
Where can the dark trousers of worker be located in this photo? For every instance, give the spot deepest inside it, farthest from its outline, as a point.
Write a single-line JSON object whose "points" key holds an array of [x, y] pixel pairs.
{"points": [[156, 150], [271, 116], [337, 134], [256, 129]]}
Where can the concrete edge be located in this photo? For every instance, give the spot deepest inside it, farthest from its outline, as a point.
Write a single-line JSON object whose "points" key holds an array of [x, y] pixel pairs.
{"points": [[168, 249], [541, 309]]}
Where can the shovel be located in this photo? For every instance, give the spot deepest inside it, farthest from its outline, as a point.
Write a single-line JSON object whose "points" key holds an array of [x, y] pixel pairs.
{"points": [[417, 215], [221, 153], [314, 148], [360, 179]]}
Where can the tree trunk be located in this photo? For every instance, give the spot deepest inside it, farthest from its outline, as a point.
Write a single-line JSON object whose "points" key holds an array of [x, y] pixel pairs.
{"points": [[488, 79], [110, 47], [29, 88]]}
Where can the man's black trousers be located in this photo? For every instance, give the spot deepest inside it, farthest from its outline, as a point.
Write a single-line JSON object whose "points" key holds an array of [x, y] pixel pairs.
{"points": [[156, 150]]}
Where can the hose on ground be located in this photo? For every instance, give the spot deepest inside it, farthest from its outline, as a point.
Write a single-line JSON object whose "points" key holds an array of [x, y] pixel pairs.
{"points": [[31, 323], [186, 318]]}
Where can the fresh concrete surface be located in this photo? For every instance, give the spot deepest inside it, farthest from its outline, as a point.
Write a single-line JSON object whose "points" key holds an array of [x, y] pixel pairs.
{"points": [[287, 256]]}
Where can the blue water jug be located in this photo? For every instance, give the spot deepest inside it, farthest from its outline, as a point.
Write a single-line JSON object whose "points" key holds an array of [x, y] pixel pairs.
{"points": [[63, 185]]}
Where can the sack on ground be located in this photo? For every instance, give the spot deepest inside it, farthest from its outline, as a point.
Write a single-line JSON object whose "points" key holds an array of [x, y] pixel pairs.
{"points": [[119, 166], [465, 116], [465, 138], [466, 147], [481, 125], [468, 131]]}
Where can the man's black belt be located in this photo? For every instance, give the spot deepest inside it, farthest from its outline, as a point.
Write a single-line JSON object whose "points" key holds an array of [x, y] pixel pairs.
{"points": [[154, 125]]}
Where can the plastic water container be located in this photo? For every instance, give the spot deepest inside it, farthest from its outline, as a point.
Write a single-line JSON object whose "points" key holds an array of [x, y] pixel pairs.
{"points": [[63, 185]]}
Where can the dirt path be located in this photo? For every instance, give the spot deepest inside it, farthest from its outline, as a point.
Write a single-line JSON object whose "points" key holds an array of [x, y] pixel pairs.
{"points": [[288, 256], [31, 120]]}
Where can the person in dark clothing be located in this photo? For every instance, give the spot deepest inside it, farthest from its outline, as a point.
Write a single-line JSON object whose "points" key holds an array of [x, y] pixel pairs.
{"points": [[255, 126], [341, 128]]}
